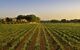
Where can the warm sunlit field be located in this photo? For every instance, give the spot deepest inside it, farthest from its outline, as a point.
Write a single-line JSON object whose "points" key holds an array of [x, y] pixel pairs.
{"points": [[57, 36]]}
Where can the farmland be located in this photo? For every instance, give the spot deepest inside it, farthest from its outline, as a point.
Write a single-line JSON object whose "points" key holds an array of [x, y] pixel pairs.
{"points": [[40, 36]]}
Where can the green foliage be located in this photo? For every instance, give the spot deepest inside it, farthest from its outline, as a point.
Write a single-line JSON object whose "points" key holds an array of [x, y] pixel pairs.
{"points": [[19, 17], [65, 35], [68, 33], [29, 18]]}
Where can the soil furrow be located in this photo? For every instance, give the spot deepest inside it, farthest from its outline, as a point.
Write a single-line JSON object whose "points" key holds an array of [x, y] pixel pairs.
{"points": [[23, 40], [33, 40]]}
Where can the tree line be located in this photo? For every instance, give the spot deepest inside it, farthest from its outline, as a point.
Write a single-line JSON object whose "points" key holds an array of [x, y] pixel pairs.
{"points": [[34, 18], [62, 21], [21, 19]]}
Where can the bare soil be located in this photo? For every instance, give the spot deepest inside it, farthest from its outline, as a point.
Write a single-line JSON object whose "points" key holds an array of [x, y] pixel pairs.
{"points": [[32, 44], [42, 40], [23, 40]]}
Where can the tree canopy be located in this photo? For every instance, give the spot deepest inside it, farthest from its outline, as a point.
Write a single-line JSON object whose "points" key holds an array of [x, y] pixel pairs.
{"points": [[29, 18]]}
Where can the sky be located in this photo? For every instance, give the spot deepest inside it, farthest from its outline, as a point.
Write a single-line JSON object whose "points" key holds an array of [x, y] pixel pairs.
{"points": [[45, 9]]}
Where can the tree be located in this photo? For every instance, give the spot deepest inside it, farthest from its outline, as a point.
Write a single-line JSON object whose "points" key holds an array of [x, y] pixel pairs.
{"points": [[75, 20], [37, 19], [8, 19], [19, 17], [63, 20], [54, 21], [0, 19], [29, 18], [32, 18]]}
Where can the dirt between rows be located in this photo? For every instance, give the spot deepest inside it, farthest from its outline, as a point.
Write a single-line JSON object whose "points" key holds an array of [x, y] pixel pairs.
{"points": [[42, 40], [23, 40], [33, 41]]}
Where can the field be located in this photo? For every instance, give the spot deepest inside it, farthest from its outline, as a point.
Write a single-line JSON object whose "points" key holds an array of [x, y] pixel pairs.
{"points": [[41, 36]]}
